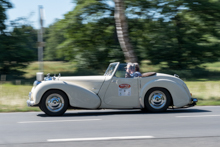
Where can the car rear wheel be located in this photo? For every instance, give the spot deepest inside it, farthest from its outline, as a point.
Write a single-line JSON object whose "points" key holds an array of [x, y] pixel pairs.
{"points": [[157, 100], [54, 103]]}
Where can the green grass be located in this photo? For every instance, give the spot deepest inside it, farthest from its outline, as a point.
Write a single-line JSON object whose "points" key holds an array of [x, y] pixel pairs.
{"points": [[207, 92], [13, 95], [13, 98], [50, 67], [212, 66]]}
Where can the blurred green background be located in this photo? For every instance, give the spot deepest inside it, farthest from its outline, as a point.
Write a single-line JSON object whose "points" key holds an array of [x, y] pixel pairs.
{"points": [[169, 36]]}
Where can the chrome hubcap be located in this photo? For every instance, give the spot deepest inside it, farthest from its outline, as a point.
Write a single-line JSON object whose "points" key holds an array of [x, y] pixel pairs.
{"points": [[54, 102], [157, 99]]}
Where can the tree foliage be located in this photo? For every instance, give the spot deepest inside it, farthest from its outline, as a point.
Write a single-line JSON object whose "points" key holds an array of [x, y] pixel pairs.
{"points": [[180, 34], [17, 47], [54, 37], [4, 5], [189, 37], [90, 42]]}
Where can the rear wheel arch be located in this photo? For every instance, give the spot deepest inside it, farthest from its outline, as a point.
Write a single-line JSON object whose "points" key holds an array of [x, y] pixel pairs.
{"points": [[171, 103], [149, 91]]}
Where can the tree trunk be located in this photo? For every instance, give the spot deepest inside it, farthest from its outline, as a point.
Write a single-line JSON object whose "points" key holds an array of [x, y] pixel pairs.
{"points": [[122, 31]]}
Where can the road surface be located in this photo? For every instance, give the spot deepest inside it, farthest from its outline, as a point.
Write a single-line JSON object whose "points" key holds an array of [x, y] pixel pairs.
{"points": [[195, 126]]}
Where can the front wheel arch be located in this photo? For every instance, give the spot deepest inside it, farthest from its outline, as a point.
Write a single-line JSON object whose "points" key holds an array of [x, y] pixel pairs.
{"points": [[52, 112], [57, 90]]}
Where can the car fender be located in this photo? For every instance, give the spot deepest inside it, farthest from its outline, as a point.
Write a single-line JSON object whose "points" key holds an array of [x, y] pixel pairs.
{"points": [[177, 91], [78, 96]]}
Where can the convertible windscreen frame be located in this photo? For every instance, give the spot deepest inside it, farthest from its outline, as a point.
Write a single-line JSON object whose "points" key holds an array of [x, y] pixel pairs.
{"points": [[111, 69]]}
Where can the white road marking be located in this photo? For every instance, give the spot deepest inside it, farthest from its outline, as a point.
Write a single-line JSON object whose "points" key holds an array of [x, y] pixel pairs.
{"points": [[101, 138], [59, 121], [199, 116]]}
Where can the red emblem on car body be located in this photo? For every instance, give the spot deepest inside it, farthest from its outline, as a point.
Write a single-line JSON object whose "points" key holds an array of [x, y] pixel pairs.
{"points": [[124, 86]]}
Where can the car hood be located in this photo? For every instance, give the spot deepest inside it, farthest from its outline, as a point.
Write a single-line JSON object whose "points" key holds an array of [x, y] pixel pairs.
{"points": [[92, 83]]}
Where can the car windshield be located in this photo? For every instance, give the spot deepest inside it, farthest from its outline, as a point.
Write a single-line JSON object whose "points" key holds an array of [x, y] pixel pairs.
{"points": [[110, 69], [120, 73]]}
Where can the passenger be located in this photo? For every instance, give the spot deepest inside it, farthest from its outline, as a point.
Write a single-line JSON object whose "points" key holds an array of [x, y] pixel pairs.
{"points": [[132, 70], [137, 70]]}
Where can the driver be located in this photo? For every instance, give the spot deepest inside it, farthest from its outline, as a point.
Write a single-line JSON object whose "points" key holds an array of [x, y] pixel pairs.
{"points": [[132, 70], [129, 70]]}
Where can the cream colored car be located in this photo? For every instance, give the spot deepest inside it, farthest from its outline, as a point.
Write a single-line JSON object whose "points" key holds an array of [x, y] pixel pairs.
{"points": [[153, 92]]}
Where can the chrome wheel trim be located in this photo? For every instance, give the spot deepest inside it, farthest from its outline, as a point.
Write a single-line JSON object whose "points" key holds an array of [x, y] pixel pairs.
{"points": [[157, 99], [54, 102]]}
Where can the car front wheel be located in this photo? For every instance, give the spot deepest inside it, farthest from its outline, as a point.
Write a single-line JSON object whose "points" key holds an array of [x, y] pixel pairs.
{"points": [[54, 103], [157, 100]]}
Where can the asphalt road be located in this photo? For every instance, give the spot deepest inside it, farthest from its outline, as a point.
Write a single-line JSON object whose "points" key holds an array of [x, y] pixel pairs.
{"points": [[196, 126]]}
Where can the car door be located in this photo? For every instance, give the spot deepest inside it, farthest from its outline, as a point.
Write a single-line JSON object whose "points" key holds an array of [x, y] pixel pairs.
{"points": [[122, 93]]}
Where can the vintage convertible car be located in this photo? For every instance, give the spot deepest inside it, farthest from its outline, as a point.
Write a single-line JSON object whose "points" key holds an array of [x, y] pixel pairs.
{"points": [[153, 92]]}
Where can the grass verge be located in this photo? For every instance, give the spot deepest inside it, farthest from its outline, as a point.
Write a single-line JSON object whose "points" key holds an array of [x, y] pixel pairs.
{"points": [[207, 92], [13, 97]]}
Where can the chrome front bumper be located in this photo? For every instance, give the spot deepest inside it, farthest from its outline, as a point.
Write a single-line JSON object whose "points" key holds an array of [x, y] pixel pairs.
{"points": [[29, 102]]}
